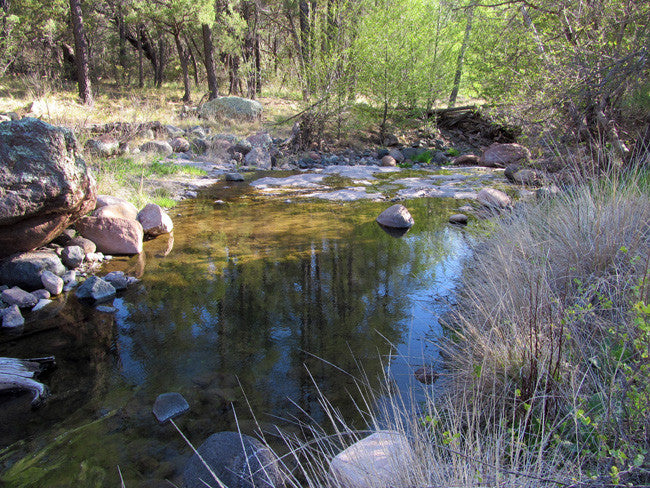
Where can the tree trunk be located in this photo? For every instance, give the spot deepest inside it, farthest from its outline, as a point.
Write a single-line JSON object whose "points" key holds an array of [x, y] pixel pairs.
{"points": [[461, 57], [140, 60], [81, 53], [258, 66], [208, 49], [160, 72], [121, 31], [191, 57], [69, 62], [305, 39], [143, 44], [182, 56]]}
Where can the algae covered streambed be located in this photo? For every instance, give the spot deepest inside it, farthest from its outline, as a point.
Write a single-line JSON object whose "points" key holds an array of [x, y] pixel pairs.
{"points": [[250, 308]]}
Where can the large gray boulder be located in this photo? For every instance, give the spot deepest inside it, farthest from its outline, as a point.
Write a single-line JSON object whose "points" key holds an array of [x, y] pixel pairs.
{"points": [[45, 185], [162, 148], [233, 457], [231, 108], [397, 217], [24, 270]]}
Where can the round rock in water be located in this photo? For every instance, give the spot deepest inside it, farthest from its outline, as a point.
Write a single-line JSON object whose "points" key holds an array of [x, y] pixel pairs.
{"points": [[234, 177], [397, 217], [233, 457], [118, 279], [458, 219]]}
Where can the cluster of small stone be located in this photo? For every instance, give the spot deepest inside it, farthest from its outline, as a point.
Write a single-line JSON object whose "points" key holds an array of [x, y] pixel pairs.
{"points": [[31, 279]]}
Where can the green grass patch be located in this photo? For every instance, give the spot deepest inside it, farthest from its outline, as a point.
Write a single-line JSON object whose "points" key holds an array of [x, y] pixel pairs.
{"points": [[337, 181]]}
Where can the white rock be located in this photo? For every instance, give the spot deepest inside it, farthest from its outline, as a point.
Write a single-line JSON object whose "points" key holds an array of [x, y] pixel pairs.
{"points": [[380, 460]]}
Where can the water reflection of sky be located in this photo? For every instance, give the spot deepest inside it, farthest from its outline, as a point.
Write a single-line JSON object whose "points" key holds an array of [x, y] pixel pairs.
{"points": [[424, 292]]}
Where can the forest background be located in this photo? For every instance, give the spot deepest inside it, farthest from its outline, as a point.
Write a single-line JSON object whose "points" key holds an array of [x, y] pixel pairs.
{"points": [[575, 69]]}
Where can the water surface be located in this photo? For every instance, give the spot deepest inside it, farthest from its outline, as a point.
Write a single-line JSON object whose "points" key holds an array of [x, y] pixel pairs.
{"points": [[248, 310]]}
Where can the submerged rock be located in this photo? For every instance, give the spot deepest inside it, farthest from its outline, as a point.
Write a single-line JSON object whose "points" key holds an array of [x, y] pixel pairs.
{"points": [[238, 460], [426, 375], [458, 219], [118, 279], [397, 217], [234, 177]]}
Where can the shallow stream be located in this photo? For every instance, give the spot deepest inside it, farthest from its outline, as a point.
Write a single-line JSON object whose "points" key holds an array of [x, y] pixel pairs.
{"points": [[250, 308]]}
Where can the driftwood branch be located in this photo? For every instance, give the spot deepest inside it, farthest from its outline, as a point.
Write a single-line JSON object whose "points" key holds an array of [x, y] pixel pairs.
{"points": [[19, 374]]}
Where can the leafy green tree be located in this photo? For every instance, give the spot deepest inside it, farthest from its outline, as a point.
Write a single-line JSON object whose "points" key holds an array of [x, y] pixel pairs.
{"points": [[404, 51]]}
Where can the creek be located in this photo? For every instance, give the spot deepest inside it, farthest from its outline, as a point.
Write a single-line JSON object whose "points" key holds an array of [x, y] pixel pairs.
{"points": [[251, 308]]}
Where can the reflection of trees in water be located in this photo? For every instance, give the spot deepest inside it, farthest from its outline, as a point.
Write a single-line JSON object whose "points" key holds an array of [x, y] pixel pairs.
{"points": [[275, 321], [82, 342]]}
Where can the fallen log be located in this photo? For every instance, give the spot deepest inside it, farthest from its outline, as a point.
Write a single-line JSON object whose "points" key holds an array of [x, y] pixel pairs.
{"points": [[19, 374]]}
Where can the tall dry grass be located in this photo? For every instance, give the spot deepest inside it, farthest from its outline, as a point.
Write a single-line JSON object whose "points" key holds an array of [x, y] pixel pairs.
{"points": [[550, 325]]}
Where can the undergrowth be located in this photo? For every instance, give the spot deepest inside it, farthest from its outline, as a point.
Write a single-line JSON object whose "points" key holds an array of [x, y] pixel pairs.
{"points": [[140, 179]]}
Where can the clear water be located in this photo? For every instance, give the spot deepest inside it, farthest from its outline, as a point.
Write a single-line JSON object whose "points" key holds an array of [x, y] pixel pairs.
{"points": [[251, 308]]}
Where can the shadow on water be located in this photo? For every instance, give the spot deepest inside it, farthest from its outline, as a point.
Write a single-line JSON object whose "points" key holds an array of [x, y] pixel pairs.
{"points": [[247, 308]]}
